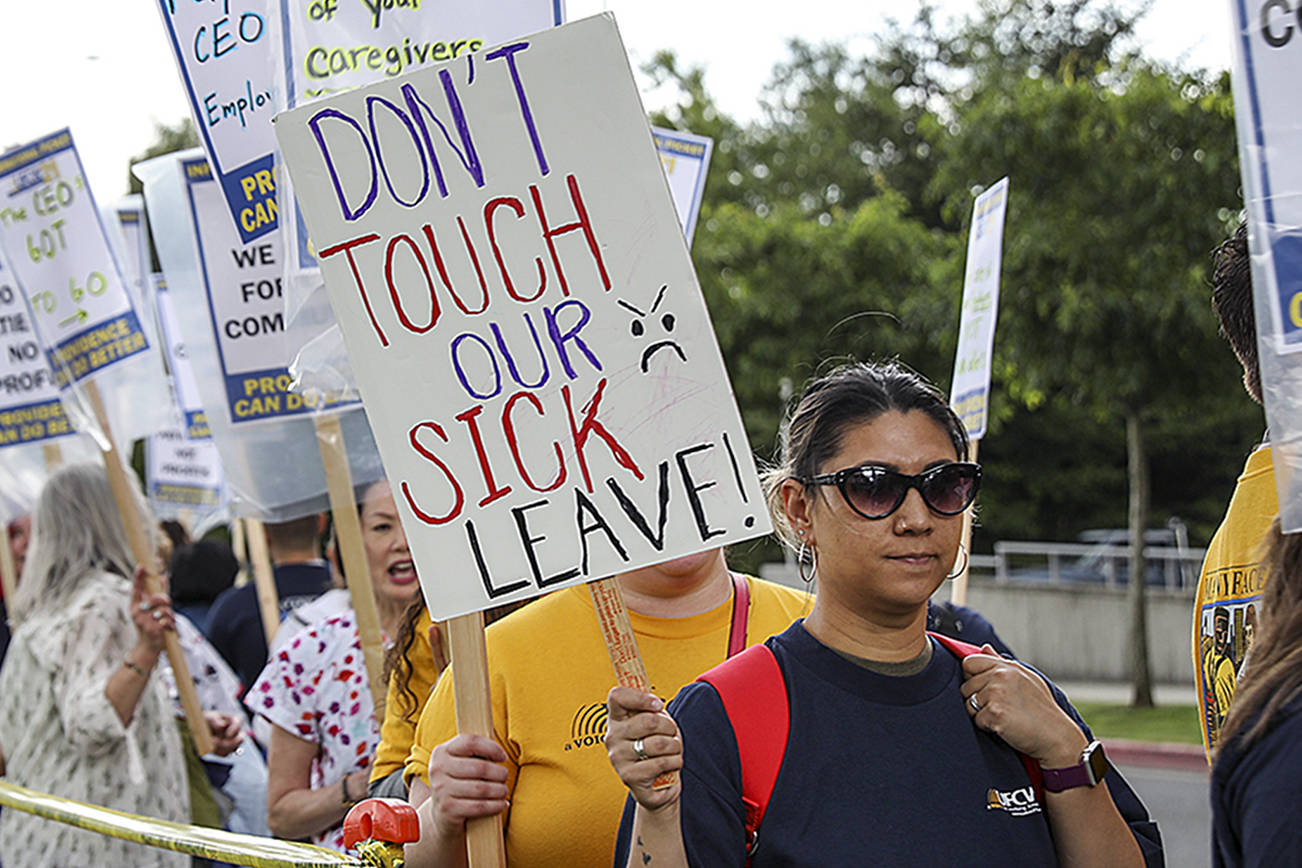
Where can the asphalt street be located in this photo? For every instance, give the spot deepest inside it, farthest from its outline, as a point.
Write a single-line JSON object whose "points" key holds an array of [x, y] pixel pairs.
{"points": [[1177, 799]]}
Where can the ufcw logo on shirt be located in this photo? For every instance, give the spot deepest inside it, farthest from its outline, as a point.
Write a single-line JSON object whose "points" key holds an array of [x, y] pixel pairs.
{"points": [[1020, 802]]}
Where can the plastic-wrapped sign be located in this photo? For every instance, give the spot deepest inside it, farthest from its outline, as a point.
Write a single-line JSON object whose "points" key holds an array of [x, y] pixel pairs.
{"points": [[54, 241], [1267, 65], [332, 46], [226, 54], [185, 387], [970, 392], [522, 316], [686, 159], [30, 409], [273, 469], [244, 289]]}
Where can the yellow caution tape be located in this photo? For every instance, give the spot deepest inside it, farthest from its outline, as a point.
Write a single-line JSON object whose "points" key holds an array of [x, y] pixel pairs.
{"points": [[214, 844]]}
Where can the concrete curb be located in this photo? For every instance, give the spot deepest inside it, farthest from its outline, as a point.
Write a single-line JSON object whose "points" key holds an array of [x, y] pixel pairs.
{"points": [[1161, 755]]}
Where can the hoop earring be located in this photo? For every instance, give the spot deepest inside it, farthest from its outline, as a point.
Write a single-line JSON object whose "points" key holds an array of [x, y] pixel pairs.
{"points": [[813, 563], [962, 555]]}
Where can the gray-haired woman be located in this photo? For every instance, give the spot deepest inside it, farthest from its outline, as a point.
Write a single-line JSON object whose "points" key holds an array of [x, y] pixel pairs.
{"points": [[82, 713]]}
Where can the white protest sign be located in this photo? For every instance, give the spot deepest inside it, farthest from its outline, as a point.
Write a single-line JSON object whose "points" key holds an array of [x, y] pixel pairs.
{"points": [[30, 408], [334, 45], [970, 392], [686, 158], [244, 288], [185, 387], [1268, 113], [182, 474], [133, 254], [226, 54], [528, 335], [51, 233]]}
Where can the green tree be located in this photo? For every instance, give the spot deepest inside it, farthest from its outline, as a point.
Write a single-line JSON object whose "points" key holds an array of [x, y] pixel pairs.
{"points": [[1121, 186], [167, 138]]}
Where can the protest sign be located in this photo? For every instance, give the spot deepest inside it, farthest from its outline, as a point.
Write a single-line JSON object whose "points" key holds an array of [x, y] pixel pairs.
{"points": [[53, 239], [226, 54], [183, 476], [686, 159], [30, 409], [970, 388], [522, 316], [125, 222], [331, 46], [185, 387], [243, 286], [1267, 63]]}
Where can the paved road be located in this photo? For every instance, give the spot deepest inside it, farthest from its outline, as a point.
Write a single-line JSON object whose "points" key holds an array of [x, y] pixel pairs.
{"points": [[1178, 801]]}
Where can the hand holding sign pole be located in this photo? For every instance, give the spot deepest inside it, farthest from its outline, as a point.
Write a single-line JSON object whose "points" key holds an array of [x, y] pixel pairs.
{"points": [[970, 390]]}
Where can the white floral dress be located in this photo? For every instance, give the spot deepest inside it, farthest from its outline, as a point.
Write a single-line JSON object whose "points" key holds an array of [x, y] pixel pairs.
{"points": [[60, 735], [315, 688]]}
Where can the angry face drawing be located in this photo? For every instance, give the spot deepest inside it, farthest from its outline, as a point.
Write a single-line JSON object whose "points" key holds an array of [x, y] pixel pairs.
{"points": [[644, 321]]}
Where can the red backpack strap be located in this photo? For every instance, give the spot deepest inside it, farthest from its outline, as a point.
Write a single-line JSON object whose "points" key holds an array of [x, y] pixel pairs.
{"points": [[740, 615], [754, 695], [966, 649]]}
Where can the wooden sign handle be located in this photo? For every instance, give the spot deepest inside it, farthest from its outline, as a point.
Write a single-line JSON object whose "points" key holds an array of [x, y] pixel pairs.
{"points": [[348, 528], [485, 847], [8, 570], [958, 593], [621, 645], [147, 558], [264, 576], [53, 456]]}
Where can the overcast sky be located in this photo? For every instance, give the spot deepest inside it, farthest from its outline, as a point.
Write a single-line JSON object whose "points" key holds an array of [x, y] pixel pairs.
{"points": [[102, 67]]}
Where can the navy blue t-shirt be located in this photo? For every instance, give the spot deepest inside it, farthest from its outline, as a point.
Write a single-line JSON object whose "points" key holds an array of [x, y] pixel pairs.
{"points": [[1257, 796], [878, 770], [235, 621]]}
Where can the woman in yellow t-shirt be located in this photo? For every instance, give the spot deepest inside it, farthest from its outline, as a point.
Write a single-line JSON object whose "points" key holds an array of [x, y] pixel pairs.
{"points": [[546, 769]]}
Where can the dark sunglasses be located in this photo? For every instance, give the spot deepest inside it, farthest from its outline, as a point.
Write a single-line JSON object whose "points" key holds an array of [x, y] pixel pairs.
{"points": [[874, 491]]}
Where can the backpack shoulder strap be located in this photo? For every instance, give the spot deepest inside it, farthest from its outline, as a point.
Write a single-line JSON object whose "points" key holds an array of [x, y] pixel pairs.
{"points": [[962, 649], [754, 695]]}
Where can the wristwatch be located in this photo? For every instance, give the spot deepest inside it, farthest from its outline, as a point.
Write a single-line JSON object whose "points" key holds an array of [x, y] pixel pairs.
{"points": [[1089, 771]]}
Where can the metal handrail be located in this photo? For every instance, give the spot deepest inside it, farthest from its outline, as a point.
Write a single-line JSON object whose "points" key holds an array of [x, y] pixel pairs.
{"points": [[1181, 565]]}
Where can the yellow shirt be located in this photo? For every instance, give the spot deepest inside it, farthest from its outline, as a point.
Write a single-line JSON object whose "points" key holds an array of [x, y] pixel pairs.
{"points": [[1232, 580], [401, 712], [550, 674]]}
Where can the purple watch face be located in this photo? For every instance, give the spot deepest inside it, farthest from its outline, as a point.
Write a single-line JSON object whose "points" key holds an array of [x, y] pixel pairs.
{"points": [[1088, 772]]}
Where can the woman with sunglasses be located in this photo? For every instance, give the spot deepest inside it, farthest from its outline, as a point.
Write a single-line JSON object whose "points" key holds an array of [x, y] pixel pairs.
{"points": [[898, 752]]}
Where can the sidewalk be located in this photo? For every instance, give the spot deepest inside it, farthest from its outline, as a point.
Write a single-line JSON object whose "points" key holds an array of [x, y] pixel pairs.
{"points": [[1162, 755]]}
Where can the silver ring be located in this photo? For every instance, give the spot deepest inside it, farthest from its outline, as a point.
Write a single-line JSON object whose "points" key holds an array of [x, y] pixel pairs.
{"points": [[974, 702], [145, 606], [639, 749], [158, 615]]}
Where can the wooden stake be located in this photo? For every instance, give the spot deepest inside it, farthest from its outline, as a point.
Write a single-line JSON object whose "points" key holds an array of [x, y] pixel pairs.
{"points": [[348, 528], [264, 576], [958, 593], [474, 703], [621, 645], [53, 456], [237, 542], [8, 570], [147, 558]]}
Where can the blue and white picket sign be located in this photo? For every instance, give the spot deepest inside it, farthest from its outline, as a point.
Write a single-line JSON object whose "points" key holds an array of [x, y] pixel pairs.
{"points": [[226, 54], [30, 408], [686, 159], [55, 242], [970, 387], [1268, 113], [185, 388]]}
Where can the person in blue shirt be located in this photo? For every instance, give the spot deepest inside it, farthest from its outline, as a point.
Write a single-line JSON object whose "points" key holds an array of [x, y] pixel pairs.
{"points": [[1256, 790], [898, 753]]}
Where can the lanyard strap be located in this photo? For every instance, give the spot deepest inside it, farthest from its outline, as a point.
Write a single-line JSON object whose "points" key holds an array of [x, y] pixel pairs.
{"points": [[740, 614]]}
